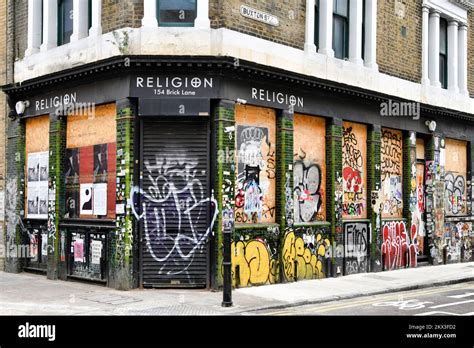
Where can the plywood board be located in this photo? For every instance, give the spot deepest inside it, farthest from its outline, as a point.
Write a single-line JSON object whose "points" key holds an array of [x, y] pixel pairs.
{"points": [[90, 130], [391, 150], [354, 172], [256, 166], [37, 134], [309, 168]]}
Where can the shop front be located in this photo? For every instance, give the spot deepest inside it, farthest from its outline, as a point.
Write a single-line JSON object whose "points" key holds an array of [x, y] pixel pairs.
{"points": [[131, 175]]}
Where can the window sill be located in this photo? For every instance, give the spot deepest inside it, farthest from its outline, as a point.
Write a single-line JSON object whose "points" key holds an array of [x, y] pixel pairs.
{"points": [[312, 224], [255, 226], [344, 221]]}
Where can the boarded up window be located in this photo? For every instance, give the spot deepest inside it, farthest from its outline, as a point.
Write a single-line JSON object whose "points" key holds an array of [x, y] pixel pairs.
{"points": [[37, 167], [354, 163], [91, 164], [420, 149], [309, 168], [391, 173], [255, 145], [417, 217], [455, 179]]}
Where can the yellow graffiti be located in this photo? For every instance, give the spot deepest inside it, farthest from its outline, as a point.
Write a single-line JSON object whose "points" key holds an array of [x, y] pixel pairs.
{"points": [[252, 263], [300, 259]]}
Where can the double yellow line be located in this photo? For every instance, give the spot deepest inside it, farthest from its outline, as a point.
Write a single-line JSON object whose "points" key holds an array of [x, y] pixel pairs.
{"points": [[317, 308]]}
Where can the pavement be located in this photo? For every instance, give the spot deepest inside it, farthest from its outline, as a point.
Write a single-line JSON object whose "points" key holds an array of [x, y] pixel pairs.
{"points": [[33, 294]]}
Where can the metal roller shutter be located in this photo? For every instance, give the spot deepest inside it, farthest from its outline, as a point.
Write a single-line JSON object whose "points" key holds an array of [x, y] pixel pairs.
{"points": [[175, 205]]}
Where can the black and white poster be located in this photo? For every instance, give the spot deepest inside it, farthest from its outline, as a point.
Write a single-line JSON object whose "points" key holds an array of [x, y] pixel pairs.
{"points": [[72, 166], [43, 166], [100, 163], [33, 200], [43, 199], [37, 186], [33, 167], [86, 199], [72, 202]]}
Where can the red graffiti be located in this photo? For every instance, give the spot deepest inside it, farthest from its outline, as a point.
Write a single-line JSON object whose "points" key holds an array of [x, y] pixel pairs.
{"points": [[399, 249], [352, 178], [240, 198], [419, 190]]}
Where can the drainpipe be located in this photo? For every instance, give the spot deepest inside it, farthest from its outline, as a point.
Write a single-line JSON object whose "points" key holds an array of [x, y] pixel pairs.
{"points": [[227, 264]]}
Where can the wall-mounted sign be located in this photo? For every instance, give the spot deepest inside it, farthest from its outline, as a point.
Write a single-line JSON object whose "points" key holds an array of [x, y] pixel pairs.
{"points": [[173, 86], [62, 100], [280, 98], [56, 101], [259, 15]]}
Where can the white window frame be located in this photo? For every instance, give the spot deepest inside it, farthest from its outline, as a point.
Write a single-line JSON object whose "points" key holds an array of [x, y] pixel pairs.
{"points": [[456, 14], [356, 31], [43, 23]]}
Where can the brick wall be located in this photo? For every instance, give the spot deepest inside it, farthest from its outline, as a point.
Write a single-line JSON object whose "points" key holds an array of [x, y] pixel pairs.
{"points": [[119, 14], [291, 15], [399, 39]]}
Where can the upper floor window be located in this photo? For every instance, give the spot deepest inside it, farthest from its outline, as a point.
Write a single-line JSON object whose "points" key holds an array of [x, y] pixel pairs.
{"points": [[445, 45], [340, 38], [344, 29], [443, 52], [65, 21], [176, 12]]}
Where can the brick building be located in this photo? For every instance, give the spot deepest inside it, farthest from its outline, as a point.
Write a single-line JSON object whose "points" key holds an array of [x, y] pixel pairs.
{"points": [[323, 137]]}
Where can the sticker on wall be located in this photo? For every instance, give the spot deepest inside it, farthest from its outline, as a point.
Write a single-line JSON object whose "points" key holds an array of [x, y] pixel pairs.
{"points": [[100, 199], [120, 209], [86, 199]]}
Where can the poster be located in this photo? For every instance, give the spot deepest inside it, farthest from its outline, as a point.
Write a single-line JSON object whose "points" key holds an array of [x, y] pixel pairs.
{"points": [[100, 199], [72, 166], [86, 199], [100, 163], [43, 199], [37, 187], [44, 244], [34, 246], [33, 200], [33, 167], [72, 201], [79, 250], [43, 159], [96, 246]]}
